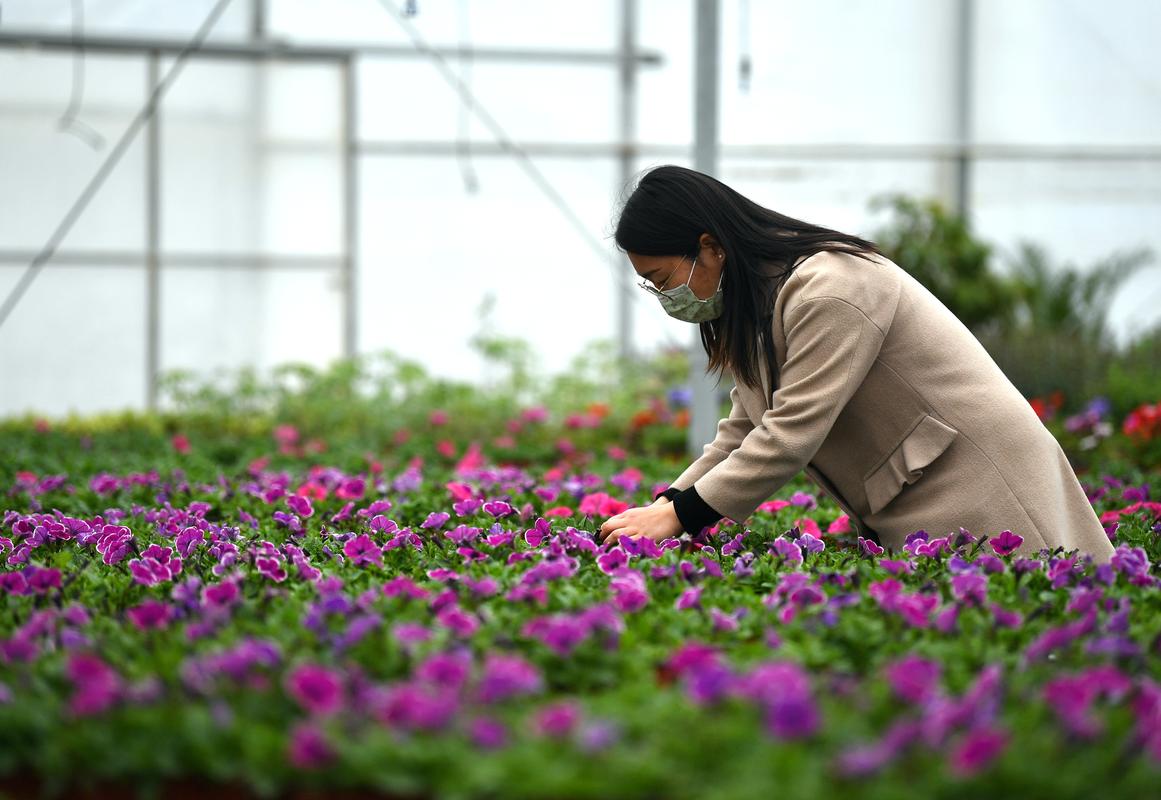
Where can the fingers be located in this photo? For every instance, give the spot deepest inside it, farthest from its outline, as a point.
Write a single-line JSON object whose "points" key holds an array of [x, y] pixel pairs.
{"points": [[615, 536]]}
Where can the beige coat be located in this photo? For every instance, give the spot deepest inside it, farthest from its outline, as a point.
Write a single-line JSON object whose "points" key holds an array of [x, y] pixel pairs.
{"points": [[898, 413]]}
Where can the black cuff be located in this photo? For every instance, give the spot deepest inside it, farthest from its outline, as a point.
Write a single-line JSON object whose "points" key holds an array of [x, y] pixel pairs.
{"points": [[670, 492], [693, 513]]}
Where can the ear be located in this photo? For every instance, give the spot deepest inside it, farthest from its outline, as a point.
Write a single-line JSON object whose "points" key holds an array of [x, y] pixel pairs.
{"points": [[707, 241]]}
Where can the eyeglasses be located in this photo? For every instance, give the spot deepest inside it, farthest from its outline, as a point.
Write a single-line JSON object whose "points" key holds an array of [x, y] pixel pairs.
{"points": [[657, 292]]}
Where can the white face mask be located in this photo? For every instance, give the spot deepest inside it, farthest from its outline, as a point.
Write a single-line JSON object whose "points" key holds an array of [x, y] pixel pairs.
{"points": [[681, 303]]}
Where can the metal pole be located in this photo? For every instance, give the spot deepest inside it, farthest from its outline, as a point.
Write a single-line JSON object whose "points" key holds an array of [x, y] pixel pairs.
{"points": [[153, 241], [350, 209], [628, 109], [704, 410], [257, 20], [964, 53]]}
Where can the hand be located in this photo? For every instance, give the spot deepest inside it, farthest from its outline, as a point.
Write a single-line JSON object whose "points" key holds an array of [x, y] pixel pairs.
{"points": [[657, 521]]}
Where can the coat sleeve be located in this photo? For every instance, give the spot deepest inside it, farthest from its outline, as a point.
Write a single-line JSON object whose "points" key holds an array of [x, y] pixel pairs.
{"points": [[731, 431], [830, 346]]}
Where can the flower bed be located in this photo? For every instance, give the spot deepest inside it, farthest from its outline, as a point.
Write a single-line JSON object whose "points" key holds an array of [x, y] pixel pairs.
{"points": [[456, 631]]}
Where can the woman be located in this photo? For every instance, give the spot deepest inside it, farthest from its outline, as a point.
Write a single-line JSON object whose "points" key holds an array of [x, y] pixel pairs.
{"points": [[847, 368]]}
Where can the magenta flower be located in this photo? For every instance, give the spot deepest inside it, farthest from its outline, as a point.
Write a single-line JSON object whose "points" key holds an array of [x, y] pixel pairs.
{"points": [[1072, 696], [362, 550], [609, 561], [446, 670], [560, 633], [220, 595], [317, 689], [507, 676], [409, 634], [300, 504], [460, 622], [692, 657], [415, 706], [787, 549], [1006, 543], [404, 586], [783, 689], [467, 507], [498, 508], [487, 732], [96, 687], [40, 579], [970, 588], [1132, 562], [435, 519], [1005, 618], [308, 748], [690, 598], [977, 748], [114, 543], [726, 622], [556, 719], [14, 583], [629, 590], [271, 566], [914, 678], [155, 565], [151, 614], [187, 540], [803, 499], [867, 759], [351, 489]]}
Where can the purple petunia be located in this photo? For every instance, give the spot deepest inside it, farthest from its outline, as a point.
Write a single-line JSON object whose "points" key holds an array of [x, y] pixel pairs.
{"points": [[914, 678], [156, 565], [1006, 543], [151, 614], [362, 550], [317, 689], [505, 676]]}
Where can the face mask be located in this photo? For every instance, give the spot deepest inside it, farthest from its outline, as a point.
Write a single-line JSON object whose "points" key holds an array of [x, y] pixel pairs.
{"points": [[681, 303]]}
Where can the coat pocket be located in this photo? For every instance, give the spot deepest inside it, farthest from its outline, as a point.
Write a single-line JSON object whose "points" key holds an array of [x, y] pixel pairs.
{"points": [[905, 463]]}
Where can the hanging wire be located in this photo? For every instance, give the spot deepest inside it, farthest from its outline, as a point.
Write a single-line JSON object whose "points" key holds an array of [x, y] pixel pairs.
{"points": [[522, 157], [745, 66], [463, 140], [68, 121], [110, 162]]}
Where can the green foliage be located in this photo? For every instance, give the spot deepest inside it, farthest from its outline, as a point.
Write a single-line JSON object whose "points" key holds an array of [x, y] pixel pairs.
{"points": [[1046, 325], [1133, 377], [1066, 300], [937, 248]]}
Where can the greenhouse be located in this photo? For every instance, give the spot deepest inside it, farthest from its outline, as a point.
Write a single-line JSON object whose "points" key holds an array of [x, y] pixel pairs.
{"points": [[643, 398]]}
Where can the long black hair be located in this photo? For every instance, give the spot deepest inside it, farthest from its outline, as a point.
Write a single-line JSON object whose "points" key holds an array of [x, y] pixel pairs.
{"points": [[668, 211]]}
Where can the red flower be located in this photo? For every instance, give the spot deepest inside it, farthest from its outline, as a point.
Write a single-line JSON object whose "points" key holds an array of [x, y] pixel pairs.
{"points": [[601, 504]]}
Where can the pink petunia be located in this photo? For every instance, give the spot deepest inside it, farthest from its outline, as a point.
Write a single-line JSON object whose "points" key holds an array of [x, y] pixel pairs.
{"points": [[1006, 543], [601, 504], [840, 525], [976, 749], [317, 689], [151, 614], [363, 550]]}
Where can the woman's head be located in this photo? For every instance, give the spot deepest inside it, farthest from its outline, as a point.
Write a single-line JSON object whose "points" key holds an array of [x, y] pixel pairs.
{"points": [[675, 215]]}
